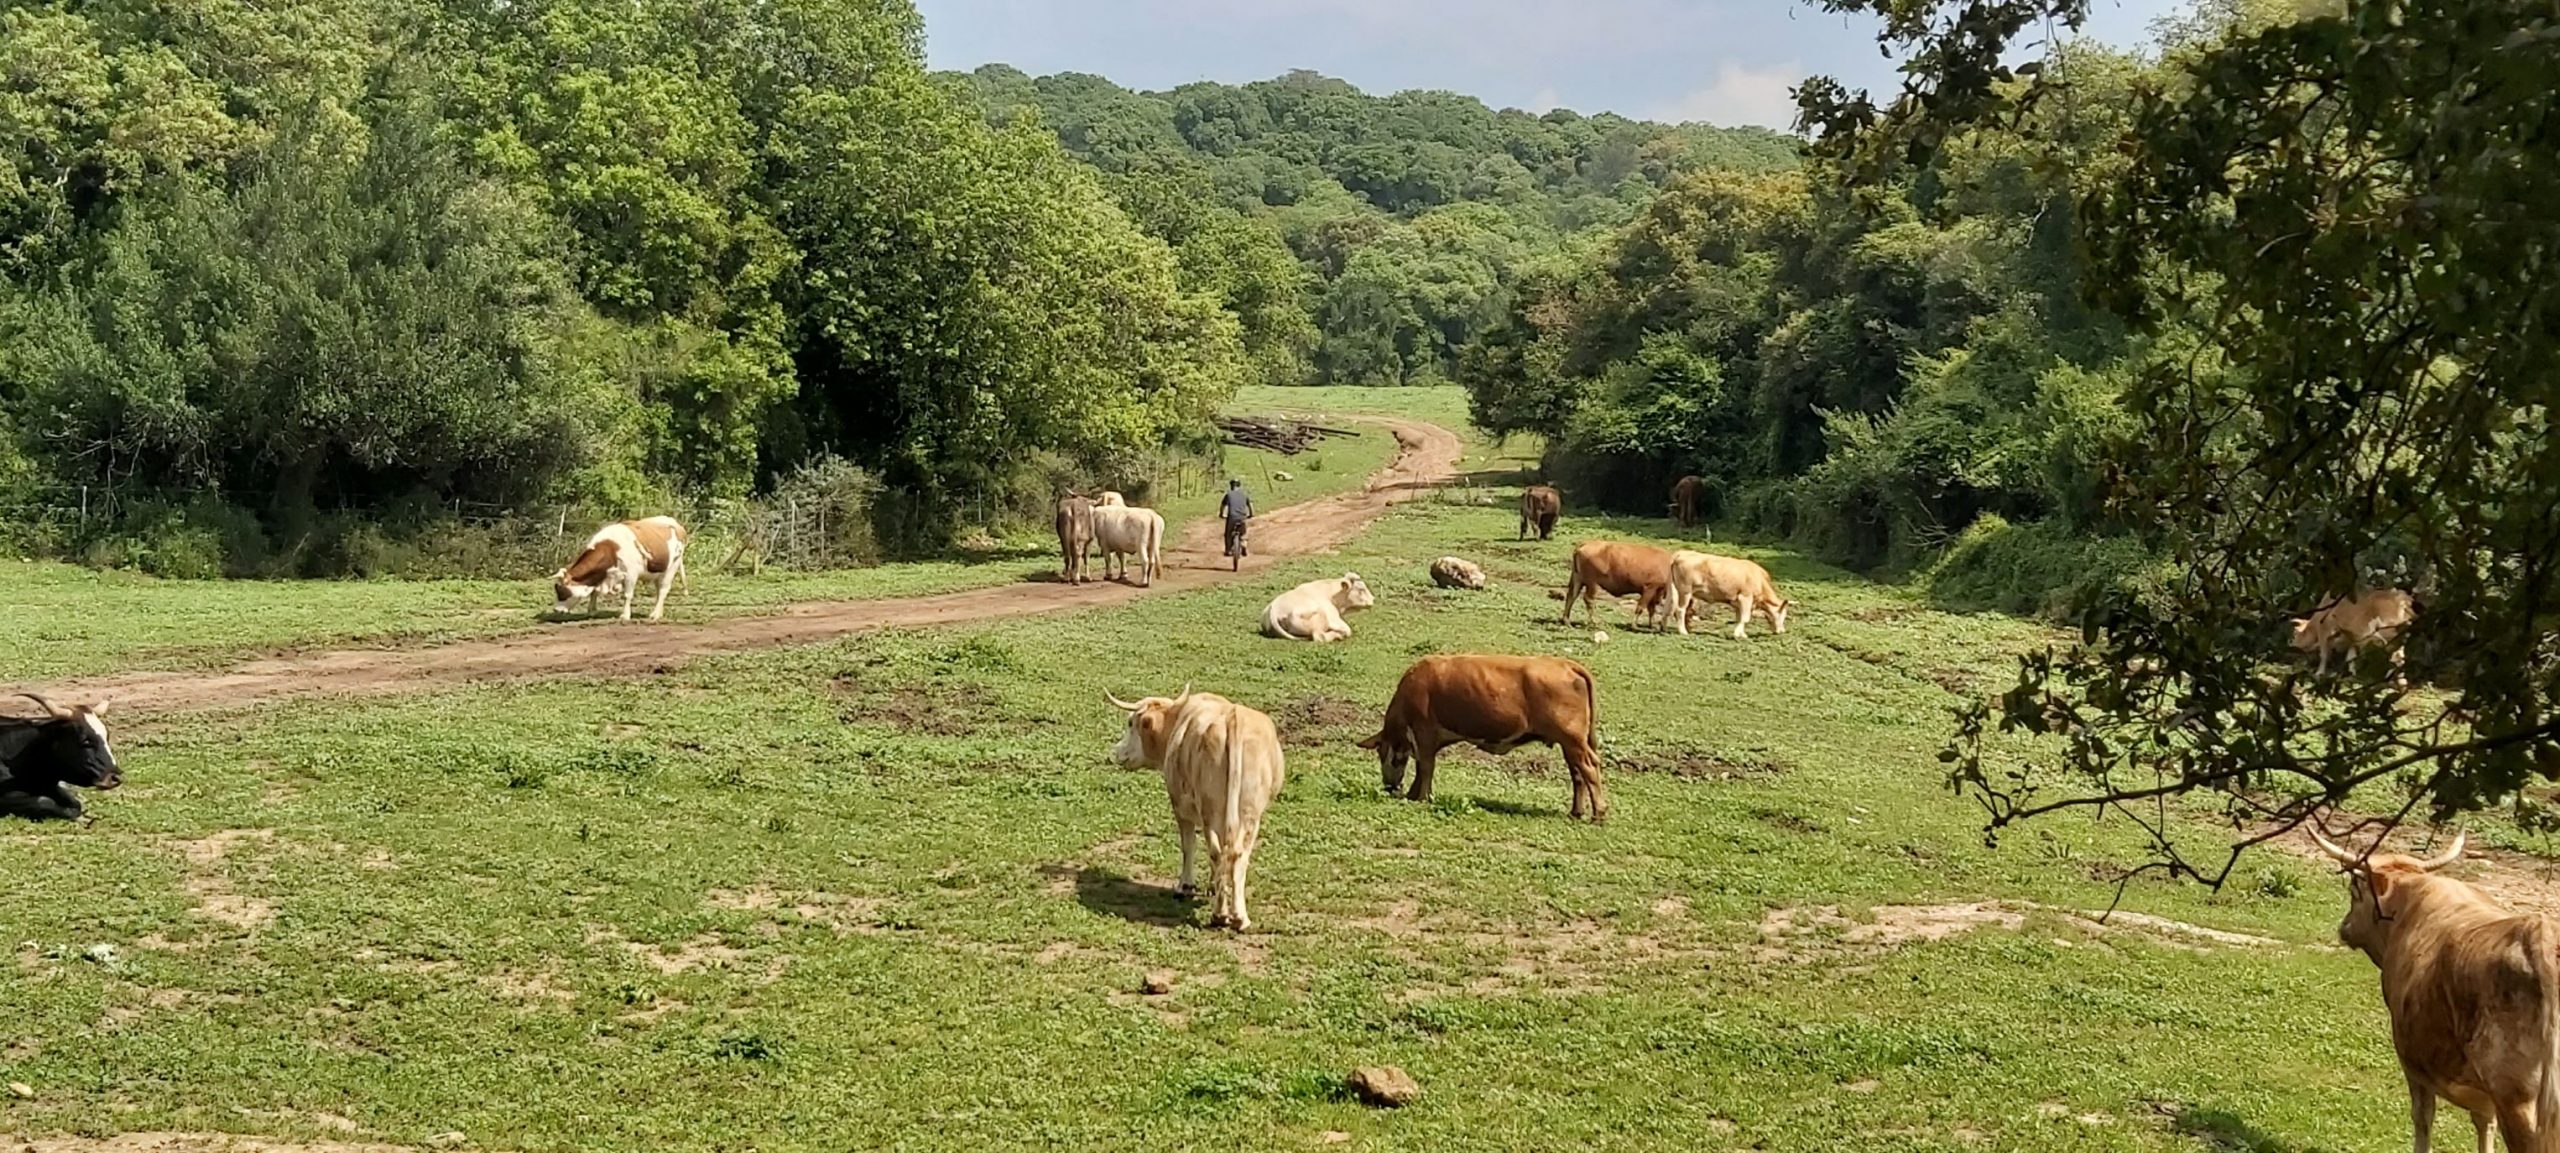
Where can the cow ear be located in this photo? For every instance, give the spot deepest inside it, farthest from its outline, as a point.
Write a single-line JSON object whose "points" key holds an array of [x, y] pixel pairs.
{"points": [[1372, 741]]}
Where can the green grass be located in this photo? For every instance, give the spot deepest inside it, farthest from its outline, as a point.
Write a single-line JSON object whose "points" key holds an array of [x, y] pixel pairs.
{"points": [[890, 893]]}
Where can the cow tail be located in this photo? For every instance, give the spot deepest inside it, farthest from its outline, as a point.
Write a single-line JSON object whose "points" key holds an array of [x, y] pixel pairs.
{"points": [[1155, 548], [1591, 707], [1235, 786]]}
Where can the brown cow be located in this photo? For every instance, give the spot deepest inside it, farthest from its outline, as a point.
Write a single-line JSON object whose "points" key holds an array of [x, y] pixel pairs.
{"points": [[2473, 991], [1617, 568], [2366, 619], [1496, 703], [1539, 506], [1075, 536], [1684, 500]]}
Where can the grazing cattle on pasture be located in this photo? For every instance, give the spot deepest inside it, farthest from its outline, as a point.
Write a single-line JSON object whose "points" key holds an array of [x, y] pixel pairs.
{"points": [[1123, 531], [1698, 578], [1496, 703], [2473, 991], [617, 557], [1222, 766], [1450, 572], [1313, 611], [2376, 617], [43, 758], [1539, 506], [1684, 500], [1617, 569], [1075, 536]]}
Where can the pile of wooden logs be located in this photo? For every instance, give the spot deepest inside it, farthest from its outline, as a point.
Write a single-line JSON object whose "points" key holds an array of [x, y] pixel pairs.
{"points": [[1286, 437]]}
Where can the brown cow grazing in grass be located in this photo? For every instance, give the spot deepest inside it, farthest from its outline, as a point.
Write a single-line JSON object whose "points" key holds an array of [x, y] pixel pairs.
{"points": [[1496, 703], [1617, 569], [1699, 578], [1684, 500], [2360, 621], [1075, 536], [1539, 506], [1222, 766], [2473, 991]]}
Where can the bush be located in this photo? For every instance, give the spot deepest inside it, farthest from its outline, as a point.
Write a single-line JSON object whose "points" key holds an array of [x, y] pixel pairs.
{"points": [[2041, 568]]}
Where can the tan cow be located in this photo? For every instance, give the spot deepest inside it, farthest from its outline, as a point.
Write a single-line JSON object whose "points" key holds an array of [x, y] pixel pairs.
{"points": [[1110, 499], [1075, 536], [1496, 703], [1539, 506], [1222, 766], [1698, 578], [1617, 568], [2473, 991], [616, 557], [1684, 500], [1313, 611], [2360, 621], [1123, 531]]}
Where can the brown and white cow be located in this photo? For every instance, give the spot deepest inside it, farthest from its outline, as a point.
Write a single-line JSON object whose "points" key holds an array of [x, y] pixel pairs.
{"points": [[2473, 991], [1539, 506], [1313, 611], [1222, 767], [2360, 621], [1496, 703], [1617, 568], [1698, 578], [1075, 536], [616, 557], [1684, 500]]}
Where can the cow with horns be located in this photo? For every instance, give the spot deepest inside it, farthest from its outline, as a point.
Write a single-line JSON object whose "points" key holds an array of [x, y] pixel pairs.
{"points": [[41, 757]]}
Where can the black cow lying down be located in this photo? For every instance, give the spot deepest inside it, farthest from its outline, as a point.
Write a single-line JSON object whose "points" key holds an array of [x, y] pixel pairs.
{"points": [[39, 756]]}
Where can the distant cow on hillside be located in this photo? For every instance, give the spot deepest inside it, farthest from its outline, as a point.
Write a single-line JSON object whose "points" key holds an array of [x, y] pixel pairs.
{"points": [[1496, 703], [1539, 507], [1222, 766], [1684, 500]]}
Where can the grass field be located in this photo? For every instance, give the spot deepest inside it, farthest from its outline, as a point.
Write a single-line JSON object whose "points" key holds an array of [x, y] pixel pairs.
{"points": [[890, 893]]}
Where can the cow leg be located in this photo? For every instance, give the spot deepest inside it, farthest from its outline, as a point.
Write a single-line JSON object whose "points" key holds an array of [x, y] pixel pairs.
{"points": [[51, 802], [1189, 831], [2519, 1126], [1679, 609], [1584, 763], [1245, 840], [658, 611], [2481, 1127], [1426, 757], [630, 592]]}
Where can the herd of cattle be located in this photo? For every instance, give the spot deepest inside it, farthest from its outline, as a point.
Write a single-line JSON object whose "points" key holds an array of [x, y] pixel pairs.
{"points": [[2473, 990]]}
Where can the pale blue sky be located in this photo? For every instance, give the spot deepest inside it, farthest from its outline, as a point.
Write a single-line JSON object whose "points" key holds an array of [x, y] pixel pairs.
{"points": [[1723, 61]]}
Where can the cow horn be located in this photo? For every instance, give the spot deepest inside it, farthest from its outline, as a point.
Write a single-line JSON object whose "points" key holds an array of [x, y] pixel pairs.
{"points": [[99, 709], [2336, 852], [1186, 693], [2448, 856], [51, 709], [1125, 706]]}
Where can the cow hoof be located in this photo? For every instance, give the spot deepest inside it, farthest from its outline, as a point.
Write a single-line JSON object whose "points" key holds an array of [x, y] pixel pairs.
{"points": [[1186, 892]]}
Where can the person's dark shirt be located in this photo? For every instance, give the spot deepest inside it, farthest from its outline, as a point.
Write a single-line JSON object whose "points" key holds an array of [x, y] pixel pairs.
{"points": [[1237, 506]]}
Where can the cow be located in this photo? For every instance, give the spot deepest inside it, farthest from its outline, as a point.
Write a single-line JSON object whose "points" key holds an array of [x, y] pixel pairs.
{"points": [[1684, 500], [1075, 536], [2473, 991], [1539, 505], [1497, 703], [1110, 499], [1124, 531], [616, 557], [1450, 572], [1698, 578], [2359, 621], [43, 758], [1313, 611], [1617, 568], [1222, 766]]}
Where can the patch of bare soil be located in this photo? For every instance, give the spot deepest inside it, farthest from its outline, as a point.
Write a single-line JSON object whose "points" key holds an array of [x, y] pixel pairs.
{"points": [[1427, 457], [1319, 720], [1510, 958], [706, 951], [934, 710], [1692, 763], [835, 911], [188, 1143], [208, 881], [1794, 933]]}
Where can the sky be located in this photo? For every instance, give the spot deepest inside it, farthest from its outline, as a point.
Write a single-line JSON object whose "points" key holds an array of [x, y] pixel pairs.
{"points": [[1719, 61]]}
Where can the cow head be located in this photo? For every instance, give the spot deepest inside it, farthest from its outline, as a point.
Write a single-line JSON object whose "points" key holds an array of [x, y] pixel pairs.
{"points": [[2375, 884], [566, 593], [1394, 751], [1142, 743], [1353, 593], [2305, 639], [71, 746], [1778, 614]]}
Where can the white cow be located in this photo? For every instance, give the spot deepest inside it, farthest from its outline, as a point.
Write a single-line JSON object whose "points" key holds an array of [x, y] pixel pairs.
{"points": [[1110, 499], [1222, 766], [615, 559], [1313, 611], [1697, 579], [1122, 531]]}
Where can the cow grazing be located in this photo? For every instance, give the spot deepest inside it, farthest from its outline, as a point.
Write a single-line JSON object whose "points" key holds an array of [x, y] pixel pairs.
{"points": [[2473, 991], [1450, 572], [1698, 578], [1539, 506], [1222, 766], [1075, 536], [2360, 621], [1122, 531], [1684, 500], [617, 557], [43, 758], [1313, 611], [1496, 703], [1617, 569]]}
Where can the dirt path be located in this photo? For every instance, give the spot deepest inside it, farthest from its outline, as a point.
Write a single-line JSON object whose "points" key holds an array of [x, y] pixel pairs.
{"points": [[1426, 456]]}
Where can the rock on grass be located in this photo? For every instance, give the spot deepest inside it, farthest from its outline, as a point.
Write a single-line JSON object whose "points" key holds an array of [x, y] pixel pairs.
{"points": [[1385, 1086]]}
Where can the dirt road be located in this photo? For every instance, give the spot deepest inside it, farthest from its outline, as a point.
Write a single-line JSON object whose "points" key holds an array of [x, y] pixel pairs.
{"points": [[1426, 456]]}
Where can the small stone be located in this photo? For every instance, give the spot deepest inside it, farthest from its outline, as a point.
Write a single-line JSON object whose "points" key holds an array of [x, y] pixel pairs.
{"points": [[447, 1139], [100, 954], [1332, 1137], [1386, 1086], [22, 1091], [1600, 638], [1156, 984]]}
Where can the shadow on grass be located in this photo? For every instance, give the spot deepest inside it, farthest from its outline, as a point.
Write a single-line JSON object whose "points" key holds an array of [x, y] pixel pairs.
{"points": [[1114, 895], [1510, 808], [2223, 1131]]}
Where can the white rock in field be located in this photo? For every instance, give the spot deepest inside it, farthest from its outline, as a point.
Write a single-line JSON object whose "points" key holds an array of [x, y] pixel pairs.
{"points": [[1284, 476], [1450, 572], [1600, 638]]}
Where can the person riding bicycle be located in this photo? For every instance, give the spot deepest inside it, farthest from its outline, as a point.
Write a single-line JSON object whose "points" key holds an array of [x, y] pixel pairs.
{"points": [[1235, 509]]}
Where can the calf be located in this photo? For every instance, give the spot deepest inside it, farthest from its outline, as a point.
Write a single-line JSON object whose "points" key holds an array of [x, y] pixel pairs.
{"points": [[1313, 611], [1222, 766], [1075, 536], [1496, 703], [1697, 577], [617, 557], [1617, 569], [2473, 991], [43, 758], [2360, 621], [1539, 506]]}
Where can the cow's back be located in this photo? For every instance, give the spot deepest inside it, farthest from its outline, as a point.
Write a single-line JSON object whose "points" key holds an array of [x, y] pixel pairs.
{"points": [[2472, 991], [1723, 578], [1494, 696], [1621, 567], [655, 535], [1213, 740]]}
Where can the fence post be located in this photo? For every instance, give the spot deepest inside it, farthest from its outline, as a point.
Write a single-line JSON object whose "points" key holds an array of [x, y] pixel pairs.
{"points": [[84, 508]]}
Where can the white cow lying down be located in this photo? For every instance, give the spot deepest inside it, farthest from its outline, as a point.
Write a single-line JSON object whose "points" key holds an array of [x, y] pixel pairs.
{"points": [[1313, 611]]}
